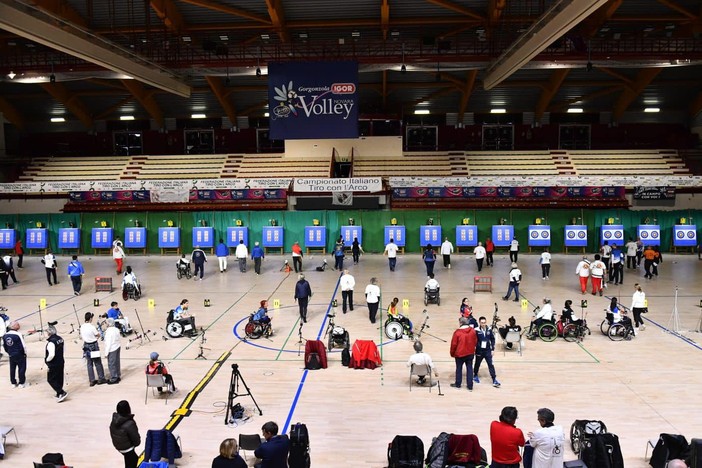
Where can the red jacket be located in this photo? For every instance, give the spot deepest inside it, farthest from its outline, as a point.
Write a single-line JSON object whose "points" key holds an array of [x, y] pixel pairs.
{"points": [[463, 342]]}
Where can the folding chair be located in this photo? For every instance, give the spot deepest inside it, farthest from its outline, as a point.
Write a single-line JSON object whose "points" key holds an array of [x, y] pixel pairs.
{"points": [[155, 381], [515, 338], [420, 369], [249, 442]]}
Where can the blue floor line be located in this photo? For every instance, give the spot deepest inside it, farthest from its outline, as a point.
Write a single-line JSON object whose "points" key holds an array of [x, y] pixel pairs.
{"points": [[678, 335], [285, 427]]}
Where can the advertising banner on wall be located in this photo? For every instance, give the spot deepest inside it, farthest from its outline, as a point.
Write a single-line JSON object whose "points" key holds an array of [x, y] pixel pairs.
{"points": [[311, 100]]}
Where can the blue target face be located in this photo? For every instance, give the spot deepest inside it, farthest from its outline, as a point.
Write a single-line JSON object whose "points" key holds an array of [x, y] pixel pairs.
{"points": [[618, 235], [534, 234], [608, 234], [644, 234], [654, 234], [581, 235], [545, 234], [680, 234], [571, 235], [690, 234]]}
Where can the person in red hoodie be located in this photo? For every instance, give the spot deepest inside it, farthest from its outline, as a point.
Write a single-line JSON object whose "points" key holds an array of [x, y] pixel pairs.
{"points": [[463, 345], [506, 439]]}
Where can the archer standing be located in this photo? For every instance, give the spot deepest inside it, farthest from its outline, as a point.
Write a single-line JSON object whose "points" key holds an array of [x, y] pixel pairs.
{"points": [[54, 362], [303, 292], [76, 272]]}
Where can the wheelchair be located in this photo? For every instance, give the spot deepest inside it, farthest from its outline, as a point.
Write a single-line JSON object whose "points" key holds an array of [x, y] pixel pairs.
{"points": [[255, 329], [131, 291], [583, 429], [338, 336], [623, 330], [575, 332], [183, 269], [547, 331], [432, 296], [398, 327], [178, 328]]}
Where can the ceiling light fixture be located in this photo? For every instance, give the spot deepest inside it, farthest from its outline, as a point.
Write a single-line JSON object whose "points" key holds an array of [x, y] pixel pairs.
{"points": [[421, 112], [355, 34], [11, 75], [575, 110], [266, 114], [498, 110], [198, 116], [43, 28], [126, 117], [652, 110], [57, 119]]}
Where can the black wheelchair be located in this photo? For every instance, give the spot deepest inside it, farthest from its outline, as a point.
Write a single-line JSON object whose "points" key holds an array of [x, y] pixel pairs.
{"points": [[622, 330], [398, 327], [338, 336], [432, 296], [544, 329], [183, 269], [182, 327], [583, 429], [255, 329], [130, 291]]}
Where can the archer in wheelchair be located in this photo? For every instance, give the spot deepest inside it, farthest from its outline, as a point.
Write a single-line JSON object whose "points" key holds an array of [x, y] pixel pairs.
{"points": [[259, 323], [121, 322], [131, 289], [544, 325], [617, 325], [180, 322], [183, 267], [397, 325], [338, 336], [431, 291]]}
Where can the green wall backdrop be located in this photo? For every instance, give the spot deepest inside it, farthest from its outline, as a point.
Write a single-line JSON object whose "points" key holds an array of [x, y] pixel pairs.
{"points": [[373, 223]]}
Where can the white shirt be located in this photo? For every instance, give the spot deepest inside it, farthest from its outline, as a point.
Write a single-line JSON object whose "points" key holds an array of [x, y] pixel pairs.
{"points": [[49, 261], [606, 251], [112, 339], [638, 300], [391, 249], [515, 274], [479, 252], [549, 447], [545, 258], [347, 282], [446, 248], [421, 359], [117, 252], [546, 312], [432, 284], [583, 269], [372, 293], [631, 249], [597, 268], [514, 245], [89, 333], [130, 278], [241, 251]]}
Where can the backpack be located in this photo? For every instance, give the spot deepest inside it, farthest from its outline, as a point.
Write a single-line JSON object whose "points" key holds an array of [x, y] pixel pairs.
{"points": [[313, 362], [345, 357], [299, 456], [669, 446], [406, 452], [170, 316], [438, 451]]}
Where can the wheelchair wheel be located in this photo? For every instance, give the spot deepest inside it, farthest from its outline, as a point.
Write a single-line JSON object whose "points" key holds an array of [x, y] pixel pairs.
{"points": [[617, 332], [438, 300], [426, 299], [179, 273], [136, 294], [253, 330], [174, 329], [188, 273], [570, 332], [330, 343], [393, 330], [347, 340], [604, 327], [548, 332], [576, 434]]}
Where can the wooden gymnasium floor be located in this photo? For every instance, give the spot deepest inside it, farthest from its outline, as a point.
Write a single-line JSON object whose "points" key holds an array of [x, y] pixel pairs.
{"points": [[639, 388]]}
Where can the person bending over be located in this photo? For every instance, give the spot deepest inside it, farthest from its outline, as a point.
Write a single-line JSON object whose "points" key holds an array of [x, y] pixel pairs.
{"points": [[184, 317], [273, 453]]}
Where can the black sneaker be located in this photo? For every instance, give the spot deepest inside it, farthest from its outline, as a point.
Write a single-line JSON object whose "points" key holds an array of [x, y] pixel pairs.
{"points": [[101, 381], [454, 385]]}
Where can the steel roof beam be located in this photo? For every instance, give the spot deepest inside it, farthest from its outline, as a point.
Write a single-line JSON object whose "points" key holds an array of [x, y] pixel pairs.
{"points": [[275, 11], [385, 18], [63, 9], [554, 84], [11, 113], [229, 10], [603, 14], [169, 13], [221, 94], [55, 33], [632, 91], [74, 105], [146, 99], [458, 9], [559, 19], [678, 8]]}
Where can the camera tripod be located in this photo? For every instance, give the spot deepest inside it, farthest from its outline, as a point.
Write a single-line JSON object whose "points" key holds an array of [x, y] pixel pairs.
{"points": [[203, 340], [418, 335], [144, 333], [234, 392], [300, 338]]}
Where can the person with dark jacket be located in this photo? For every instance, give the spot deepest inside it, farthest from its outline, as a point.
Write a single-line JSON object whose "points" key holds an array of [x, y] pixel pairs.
{"points": [[55, 362], [228, 456], [483, 351], [198, 258], [257, 254], [463, 345], [76, 272], [274, 451], [125, 434], [14, 345], [303, 292]]}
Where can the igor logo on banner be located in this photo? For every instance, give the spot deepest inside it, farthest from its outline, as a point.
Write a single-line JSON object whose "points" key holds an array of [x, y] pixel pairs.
{"points": [[313, 100]]}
